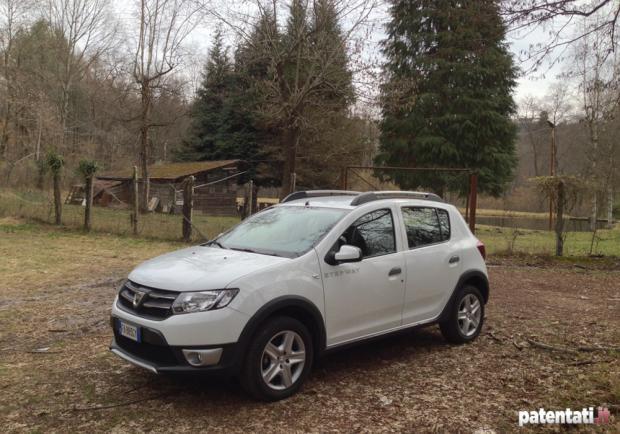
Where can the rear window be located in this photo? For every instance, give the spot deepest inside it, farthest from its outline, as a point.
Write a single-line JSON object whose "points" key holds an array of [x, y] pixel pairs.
{"points": [[426, 225]]}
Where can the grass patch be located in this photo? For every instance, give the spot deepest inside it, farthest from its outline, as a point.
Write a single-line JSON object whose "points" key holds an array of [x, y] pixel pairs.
{"points": [[521, 241], [37, 206], [64, 256]]}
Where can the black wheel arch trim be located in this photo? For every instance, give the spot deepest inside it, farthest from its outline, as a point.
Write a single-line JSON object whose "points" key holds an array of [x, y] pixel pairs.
{"points": [[279, 304], [465, 277]]}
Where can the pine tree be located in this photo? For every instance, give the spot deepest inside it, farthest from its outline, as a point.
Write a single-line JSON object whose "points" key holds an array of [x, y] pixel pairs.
{"points": [[329, 43], [448, 97], [207, 112], [222, 124]]}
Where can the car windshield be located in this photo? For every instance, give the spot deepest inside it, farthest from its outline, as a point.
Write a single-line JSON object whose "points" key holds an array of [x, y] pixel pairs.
{"points": [[287, 231]]}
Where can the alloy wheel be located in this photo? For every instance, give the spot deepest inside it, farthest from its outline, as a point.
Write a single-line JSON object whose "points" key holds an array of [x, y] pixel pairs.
{"points": [[283, 360], [469, 315]]}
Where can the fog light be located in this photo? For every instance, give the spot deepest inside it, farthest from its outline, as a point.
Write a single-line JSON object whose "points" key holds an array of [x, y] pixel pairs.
{"points": [[203, 357]]}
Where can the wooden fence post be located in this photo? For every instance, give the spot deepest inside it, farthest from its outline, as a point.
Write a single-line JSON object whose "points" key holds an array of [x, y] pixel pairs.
{"points": [[188, 204], [250, 198], [559, 220], [473, 201], [89, 202], [135, 201]]}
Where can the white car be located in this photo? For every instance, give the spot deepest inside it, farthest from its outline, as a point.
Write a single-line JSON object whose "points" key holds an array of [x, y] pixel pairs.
{"points": [[321, 270]]}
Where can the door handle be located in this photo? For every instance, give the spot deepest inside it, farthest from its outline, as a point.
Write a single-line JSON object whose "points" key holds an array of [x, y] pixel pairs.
{"points": [[395, 271], [454, 260]]}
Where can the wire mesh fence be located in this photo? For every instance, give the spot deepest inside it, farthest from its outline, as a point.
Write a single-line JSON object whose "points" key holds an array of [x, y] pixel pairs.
{"points": [[514, 237], [39, 206]]}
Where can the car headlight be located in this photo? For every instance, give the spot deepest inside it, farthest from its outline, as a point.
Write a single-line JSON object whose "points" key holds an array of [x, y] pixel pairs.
{"points": [[188, 302]]}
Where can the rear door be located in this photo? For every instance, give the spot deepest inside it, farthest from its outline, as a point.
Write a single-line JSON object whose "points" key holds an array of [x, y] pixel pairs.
{"points": [[432, 262], [365, 298]]}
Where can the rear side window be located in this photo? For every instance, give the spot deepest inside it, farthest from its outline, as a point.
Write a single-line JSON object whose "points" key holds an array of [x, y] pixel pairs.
{"points": [[373, 233], [426, 226], [444, 223]]}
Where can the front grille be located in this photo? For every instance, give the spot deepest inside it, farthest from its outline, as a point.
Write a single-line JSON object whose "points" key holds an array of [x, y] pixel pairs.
{"points": [[154, 303], [161, 355]]}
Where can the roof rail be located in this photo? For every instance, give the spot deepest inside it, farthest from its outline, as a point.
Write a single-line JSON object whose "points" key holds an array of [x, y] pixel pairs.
{"points": [[379, 195], [318, 193]]}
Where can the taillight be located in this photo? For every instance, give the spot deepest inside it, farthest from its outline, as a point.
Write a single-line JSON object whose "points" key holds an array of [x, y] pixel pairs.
{"points": [[482, 249]]}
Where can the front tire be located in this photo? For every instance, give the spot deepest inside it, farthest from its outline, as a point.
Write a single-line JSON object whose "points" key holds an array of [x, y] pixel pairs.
{"points": [[279, 359], [466, 316]]}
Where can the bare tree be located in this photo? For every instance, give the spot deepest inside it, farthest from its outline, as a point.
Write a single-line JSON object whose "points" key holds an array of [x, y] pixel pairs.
{"points": [[88, 32], [530, 112], [598, 79], [13, 15], [556, 16], [163, 27]]}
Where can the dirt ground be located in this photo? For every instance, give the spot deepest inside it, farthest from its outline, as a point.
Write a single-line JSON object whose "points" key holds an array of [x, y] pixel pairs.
{"points": [[57, 375]]}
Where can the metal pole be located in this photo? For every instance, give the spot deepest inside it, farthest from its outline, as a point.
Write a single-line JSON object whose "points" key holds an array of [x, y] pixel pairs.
{"points": [[473, 188], [188, 205]]}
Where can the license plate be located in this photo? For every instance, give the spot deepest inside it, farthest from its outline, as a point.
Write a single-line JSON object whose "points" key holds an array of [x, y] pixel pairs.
{"points": [[129, 331]]}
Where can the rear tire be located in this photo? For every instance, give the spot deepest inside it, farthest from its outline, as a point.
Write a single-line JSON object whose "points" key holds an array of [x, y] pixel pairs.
{"points": [[466, 316], [278, 360]]}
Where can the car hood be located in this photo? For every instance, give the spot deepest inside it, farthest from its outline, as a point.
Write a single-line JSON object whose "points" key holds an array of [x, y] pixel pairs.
{"points": [[199, 268]]}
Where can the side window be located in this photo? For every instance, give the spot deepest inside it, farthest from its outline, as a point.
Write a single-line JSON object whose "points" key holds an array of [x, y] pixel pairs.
{"points": [[373, 233], [422, 226], [444, 224]]}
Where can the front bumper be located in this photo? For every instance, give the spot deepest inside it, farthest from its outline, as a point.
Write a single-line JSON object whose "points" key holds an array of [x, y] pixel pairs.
{"points": [[156, 355]]}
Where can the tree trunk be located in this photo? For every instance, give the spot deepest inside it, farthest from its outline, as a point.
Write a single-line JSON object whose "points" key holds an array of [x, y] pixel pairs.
{"points": [[559, 222], [610, 190], [594, 205], [57, 199], [135, 201], [64, 111], [290, 140], [144, 144], [89, 203], [594, 211]]}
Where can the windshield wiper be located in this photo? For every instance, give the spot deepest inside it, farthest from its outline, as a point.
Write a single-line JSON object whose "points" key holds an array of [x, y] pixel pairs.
{"points": [[253, 251], [244, 250]]}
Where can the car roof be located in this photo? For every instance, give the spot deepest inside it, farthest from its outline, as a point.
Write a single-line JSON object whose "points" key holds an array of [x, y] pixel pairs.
{"points": [[344, 202]]}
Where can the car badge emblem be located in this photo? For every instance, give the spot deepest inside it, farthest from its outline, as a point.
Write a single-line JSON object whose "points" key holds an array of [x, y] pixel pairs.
{"points": [[137, 298]]}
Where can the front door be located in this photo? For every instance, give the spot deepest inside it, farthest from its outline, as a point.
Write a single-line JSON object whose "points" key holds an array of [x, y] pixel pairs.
{"points": [[365, 298]]}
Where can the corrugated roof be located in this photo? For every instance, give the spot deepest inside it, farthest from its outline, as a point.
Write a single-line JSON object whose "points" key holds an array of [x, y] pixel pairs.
{"points": [[171, 171]]}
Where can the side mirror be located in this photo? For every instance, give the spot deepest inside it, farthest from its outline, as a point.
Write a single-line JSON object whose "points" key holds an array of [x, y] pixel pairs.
{"points": [[346, 254]]}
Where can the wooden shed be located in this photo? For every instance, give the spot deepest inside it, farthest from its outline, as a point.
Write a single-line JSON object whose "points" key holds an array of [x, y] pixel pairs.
{"points": [[215, 192]]}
